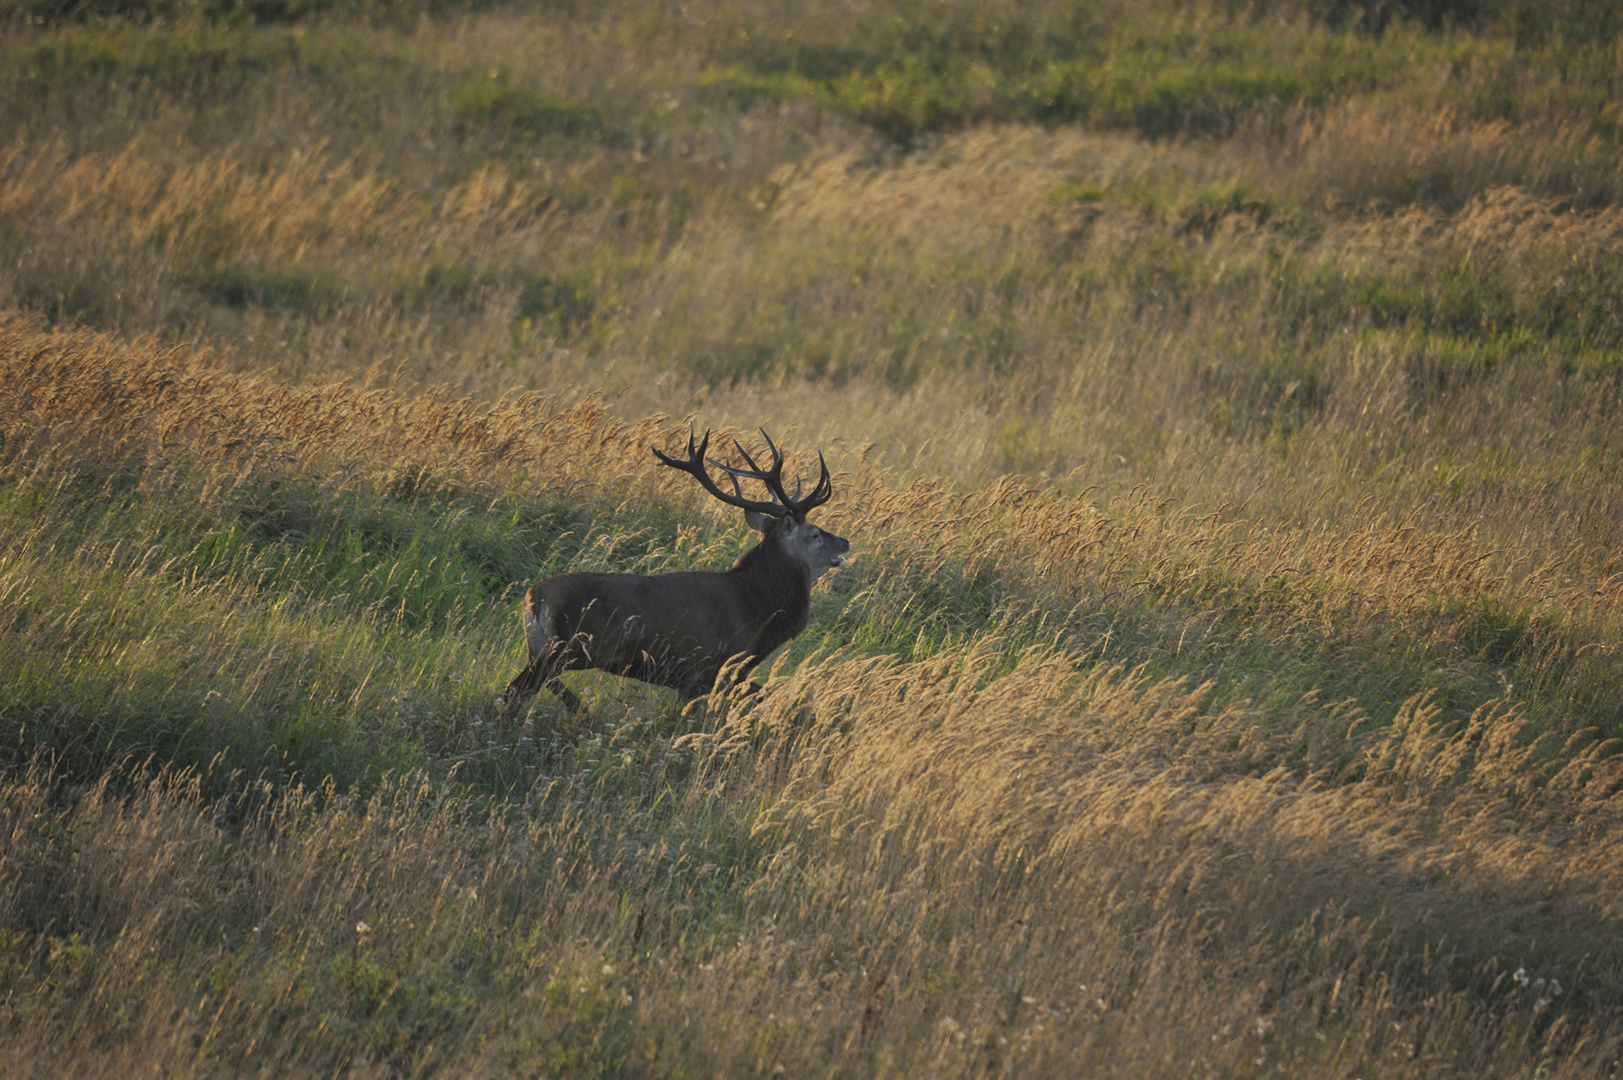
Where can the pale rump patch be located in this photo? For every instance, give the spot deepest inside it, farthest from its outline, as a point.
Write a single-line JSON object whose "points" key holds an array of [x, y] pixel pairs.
{"points": [[535, 627]]}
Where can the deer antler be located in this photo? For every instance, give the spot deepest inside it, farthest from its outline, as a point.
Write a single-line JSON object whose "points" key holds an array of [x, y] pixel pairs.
{"points": [[694, 467], [773, 479]]}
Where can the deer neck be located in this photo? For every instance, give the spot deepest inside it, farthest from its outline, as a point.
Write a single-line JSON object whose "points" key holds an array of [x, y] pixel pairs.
{"points": [[777, 579]]}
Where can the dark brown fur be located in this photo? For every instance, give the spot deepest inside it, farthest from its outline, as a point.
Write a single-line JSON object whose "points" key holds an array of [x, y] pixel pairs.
{"points": [[677, 630]]}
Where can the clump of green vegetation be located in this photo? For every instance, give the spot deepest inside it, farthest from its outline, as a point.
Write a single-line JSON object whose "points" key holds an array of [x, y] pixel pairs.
{"points": [[521, 109], [309, 290]]}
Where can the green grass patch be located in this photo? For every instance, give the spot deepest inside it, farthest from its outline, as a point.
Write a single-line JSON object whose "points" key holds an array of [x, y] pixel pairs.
{"points": [[312, 291], [520, 110], [1164, 77], [1504, 308], [191, 57]]}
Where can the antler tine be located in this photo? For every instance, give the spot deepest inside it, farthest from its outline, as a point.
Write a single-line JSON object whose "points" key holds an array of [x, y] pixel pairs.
{"points": [[738, 491], [819, 494], [736, 470], [685, 466], [746, 456], [774, 476], [755, 472], [777, 455]]}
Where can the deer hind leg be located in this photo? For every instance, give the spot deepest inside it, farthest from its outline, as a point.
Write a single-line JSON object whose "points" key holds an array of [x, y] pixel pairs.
{"points": [[565, 695], [547, 659]]}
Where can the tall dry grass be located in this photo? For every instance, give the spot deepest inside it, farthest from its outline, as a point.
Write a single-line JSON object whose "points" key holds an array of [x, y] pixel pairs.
{"points": [[894, 869]]}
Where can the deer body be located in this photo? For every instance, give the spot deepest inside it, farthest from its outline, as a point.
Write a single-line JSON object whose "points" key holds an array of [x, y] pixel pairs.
{"points": [[681, 630]]}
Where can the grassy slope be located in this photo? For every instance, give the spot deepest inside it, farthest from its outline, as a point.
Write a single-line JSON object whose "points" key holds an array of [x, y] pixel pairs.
{"points": [[967, 750], [1264, 723]]}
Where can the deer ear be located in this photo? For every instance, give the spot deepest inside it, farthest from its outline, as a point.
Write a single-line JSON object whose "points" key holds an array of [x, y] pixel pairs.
{"points": [[757, 521]]}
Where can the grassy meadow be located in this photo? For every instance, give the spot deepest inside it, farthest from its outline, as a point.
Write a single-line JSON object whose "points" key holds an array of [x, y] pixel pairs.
{"points": [[1223, 401]]}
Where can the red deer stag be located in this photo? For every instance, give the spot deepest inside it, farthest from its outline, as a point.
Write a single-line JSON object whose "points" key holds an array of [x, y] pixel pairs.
{"points": [[681, 630]]}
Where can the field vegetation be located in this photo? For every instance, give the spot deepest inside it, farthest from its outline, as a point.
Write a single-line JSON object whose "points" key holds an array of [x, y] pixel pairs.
{"points": [[1223, 401]]}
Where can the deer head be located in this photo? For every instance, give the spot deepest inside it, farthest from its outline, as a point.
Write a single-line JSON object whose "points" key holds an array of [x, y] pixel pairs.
{"points": [[780, 520]]}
